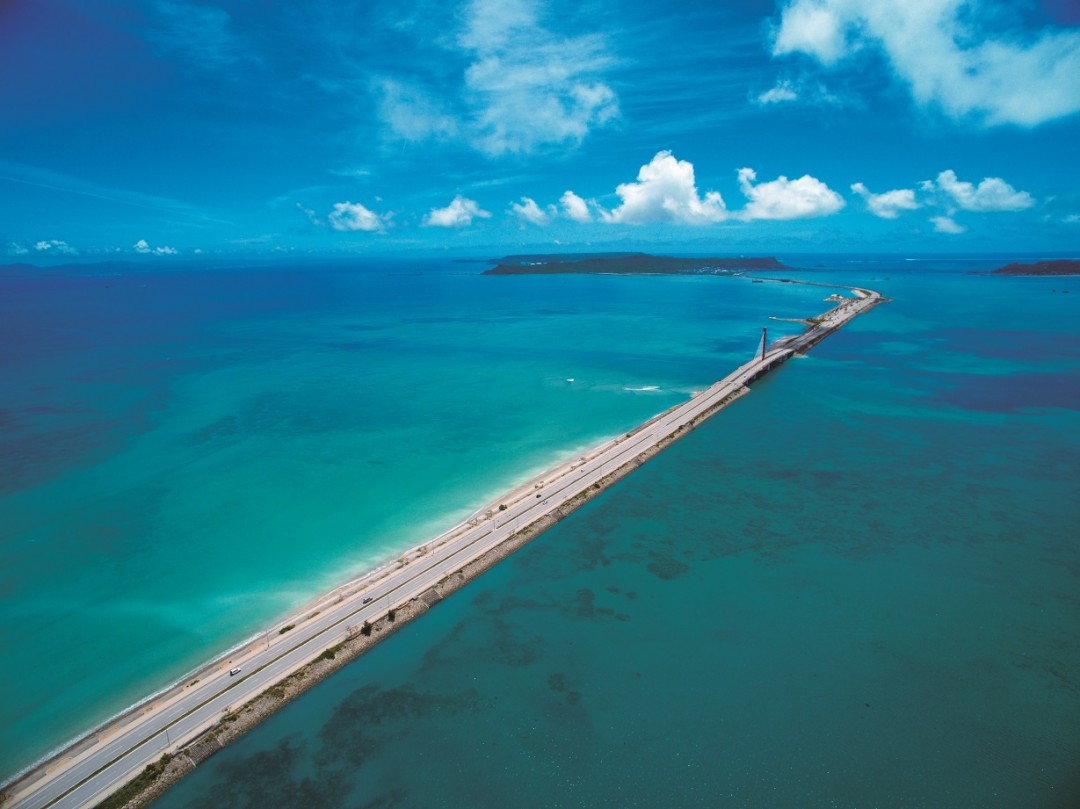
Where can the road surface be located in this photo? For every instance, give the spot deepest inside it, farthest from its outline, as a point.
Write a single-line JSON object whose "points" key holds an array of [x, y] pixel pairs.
{"points": [[103, 761]]}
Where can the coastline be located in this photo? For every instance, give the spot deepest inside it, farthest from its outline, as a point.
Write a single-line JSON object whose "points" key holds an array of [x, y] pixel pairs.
{"points": [[195, 746], [248, 716], [319, 594]]}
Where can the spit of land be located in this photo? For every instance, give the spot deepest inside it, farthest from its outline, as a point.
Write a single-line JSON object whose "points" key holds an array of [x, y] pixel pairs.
{"points": [[136, 755]]}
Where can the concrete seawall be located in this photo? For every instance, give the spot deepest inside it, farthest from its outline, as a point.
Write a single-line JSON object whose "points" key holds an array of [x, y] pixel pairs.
{"points": [[193, 719]]}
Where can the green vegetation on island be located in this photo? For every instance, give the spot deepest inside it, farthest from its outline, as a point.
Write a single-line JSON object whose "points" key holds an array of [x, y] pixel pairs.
{"points": [[631, 264], [1061, 266]]}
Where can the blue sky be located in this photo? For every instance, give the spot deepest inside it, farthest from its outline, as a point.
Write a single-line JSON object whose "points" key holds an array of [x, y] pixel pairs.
{"points": [[183, 128]]}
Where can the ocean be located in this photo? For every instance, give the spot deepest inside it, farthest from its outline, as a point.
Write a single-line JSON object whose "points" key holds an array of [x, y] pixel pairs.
{"points": [[189, 455], [855, 586]]}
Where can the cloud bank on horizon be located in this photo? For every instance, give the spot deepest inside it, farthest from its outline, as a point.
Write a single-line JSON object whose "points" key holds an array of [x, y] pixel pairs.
{"points": [[182, 127]]}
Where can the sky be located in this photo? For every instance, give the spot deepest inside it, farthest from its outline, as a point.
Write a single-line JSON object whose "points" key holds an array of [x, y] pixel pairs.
{"points": [[180, 128]]}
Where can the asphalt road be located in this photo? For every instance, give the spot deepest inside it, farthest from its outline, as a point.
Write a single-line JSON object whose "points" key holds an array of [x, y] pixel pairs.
{"points": [[122, 748]]}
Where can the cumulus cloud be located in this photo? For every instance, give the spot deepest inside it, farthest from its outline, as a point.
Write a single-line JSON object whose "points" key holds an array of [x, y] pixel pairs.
{"points": [[574, 207], [889, 204], [351, 216], [527, 87], [458, 214], [666, 191], [992, 194], [812, 27], [787, 199], [143, 247], [945, 54], [58, 246], [528, 211], [946, 224], [950, 193], [16, 249]]}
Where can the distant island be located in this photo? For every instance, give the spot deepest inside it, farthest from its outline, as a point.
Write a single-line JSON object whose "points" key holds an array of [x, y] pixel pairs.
{"points": [[629, 264], [1062, 266]]}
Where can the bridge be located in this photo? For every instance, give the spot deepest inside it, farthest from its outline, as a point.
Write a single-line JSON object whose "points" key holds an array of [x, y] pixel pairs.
{"points": [[94, 766]]}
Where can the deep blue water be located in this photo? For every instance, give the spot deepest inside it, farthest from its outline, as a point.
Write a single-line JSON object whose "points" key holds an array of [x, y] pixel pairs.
{"points": [[188, 455], [857, 586]]}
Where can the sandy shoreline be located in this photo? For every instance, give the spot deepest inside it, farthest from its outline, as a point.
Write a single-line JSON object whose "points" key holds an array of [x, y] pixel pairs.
{"points": [[347, 641], [269, 702]]}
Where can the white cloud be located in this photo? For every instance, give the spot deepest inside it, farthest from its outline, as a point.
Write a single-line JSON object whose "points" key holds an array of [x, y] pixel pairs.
{"points": [[783, 91], [16, 249], [350, 216], [946, 224], [458, 214], [312, 217], [413, 114], [143, 247], [527, 87], [512, 84], [787, 199], [359, 173], [992, 194], [574, 207], [666, 191], [812, 27], [889, 204], [801, 91], [528, 211], [942, 50], [55, 246]]}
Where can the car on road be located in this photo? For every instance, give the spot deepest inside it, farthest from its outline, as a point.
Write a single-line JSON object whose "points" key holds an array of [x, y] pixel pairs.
{"points": [[234, 672], [367, 600]]}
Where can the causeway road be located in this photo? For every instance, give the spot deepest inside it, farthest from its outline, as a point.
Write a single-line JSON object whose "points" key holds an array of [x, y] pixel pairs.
{"points": [[95, 766]]}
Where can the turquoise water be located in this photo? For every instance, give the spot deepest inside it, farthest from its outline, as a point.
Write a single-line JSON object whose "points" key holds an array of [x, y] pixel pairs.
{"points": [[186, 456], [856, 587]]}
